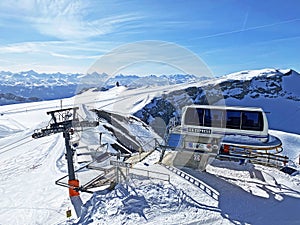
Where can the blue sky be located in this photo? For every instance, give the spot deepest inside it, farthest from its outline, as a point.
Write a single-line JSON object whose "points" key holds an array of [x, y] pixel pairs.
{"points": [[70, 35]]}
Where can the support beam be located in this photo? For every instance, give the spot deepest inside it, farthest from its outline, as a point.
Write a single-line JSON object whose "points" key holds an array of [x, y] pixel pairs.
{"points": [[69, 152], [73, 182]]}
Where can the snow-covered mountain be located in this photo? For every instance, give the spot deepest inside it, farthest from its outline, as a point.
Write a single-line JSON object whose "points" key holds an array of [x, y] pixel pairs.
{"points": [[31, 86], [153, 80], [227, 193], [267, 88], [276, 91]]}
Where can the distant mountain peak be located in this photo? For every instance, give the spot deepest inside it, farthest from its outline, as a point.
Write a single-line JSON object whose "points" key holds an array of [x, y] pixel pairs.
{"points": [[45, 86]]}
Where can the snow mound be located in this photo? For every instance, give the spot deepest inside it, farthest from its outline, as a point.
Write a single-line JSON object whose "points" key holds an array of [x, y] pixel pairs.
{"points": [[9, 126], [142, 203]]}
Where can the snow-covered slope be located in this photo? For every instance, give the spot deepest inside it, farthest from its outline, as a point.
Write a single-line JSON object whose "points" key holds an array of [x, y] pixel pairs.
{"points": [[29, 168], [277, 92], [228, 193]]}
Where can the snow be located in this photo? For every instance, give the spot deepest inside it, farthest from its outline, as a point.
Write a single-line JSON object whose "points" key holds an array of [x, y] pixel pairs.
{"points": [[27, 177], [290, 144], [281, 114], [22, 86], [9, 126], [291, 84], [249, 74], [241, 139], [247, 194], [145, 203]]}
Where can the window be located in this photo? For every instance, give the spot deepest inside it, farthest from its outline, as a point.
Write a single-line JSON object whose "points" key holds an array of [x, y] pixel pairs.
{"points": [[207, 118], [233, 119], [252, 121], [221, 118], [194, 116], [214, 118]]}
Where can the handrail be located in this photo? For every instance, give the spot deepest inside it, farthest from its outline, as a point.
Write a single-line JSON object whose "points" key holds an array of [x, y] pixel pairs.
{"points": [[149, 172], [156, 143]]}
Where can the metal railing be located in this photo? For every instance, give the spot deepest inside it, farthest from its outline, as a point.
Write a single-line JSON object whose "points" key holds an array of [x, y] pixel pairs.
{"points": [[136, 172]]}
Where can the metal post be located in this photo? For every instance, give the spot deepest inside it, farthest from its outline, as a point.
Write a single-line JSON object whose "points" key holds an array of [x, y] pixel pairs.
{"points": [[69, 155], [100, 137], [73, 182], [162, 154], [117, 175]]}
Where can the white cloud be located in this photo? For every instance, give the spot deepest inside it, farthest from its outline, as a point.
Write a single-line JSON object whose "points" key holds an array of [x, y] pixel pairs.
{"points": [[17, 48], [74, 56], [63, 56], [64, 49], [64, 19]]}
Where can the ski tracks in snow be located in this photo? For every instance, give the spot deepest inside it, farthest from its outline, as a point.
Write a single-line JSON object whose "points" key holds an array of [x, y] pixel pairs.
{"points": [[27, 174]]}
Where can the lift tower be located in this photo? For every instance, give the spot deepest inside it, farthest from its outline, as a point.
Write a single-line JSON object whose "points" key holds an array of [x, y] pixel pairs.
{"points": [[66, 121]]}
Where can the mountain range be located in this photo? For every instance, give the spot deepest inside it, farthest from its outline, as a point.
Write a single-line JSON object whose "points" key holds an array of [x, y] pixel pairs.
{"points": [[30, 86], [276, 91]]}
